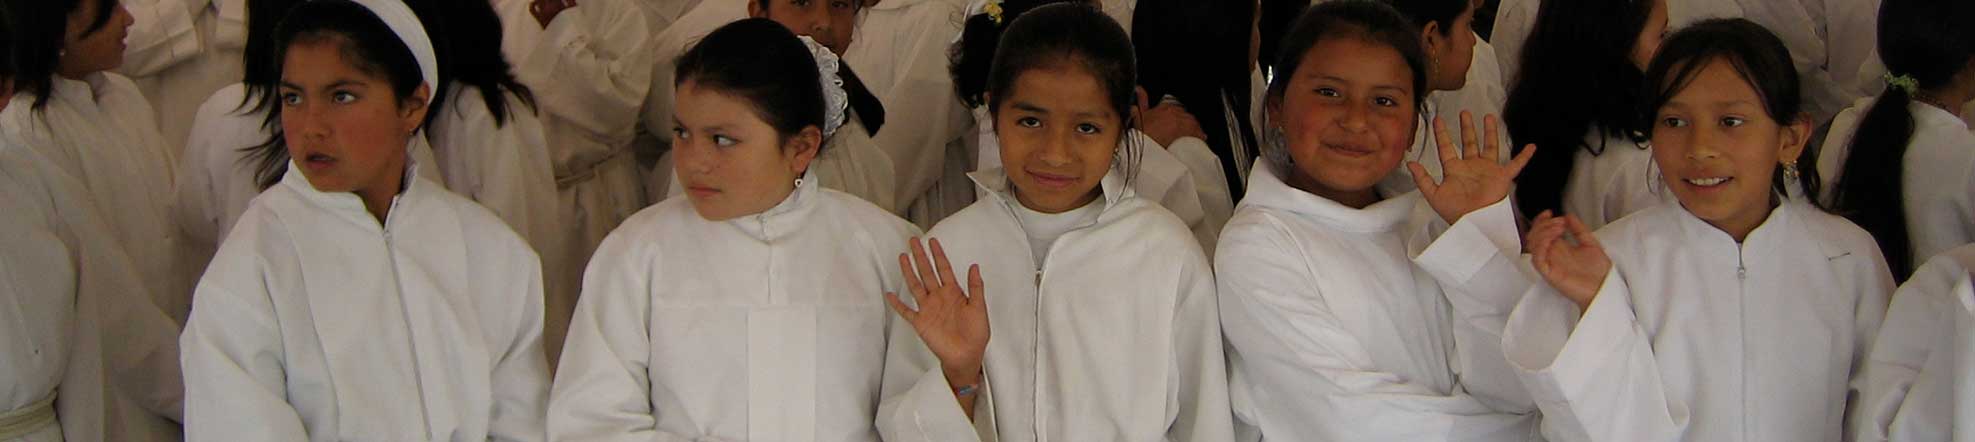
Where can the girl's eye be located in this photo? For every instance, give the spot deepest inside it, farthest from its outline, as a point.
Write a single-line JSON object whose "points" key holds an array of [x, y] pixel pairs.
{"points": [[291, 99], [1088, 129], [1029, 122], [344, 97], [1386, 102], [840, 5], [680, 134], [723, 141], [800, 3], [1674, 122], [1328, 92], [1732, 121]]}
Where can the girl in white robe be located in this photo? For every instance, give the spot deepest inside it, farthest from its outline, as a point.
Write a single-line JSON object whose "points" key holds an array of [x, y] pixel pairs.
{"points": [[356, 299], [1914, 377], [749, 310], [1902, 165], [1578, 95], [1334, 294], [180, 52], [81, 324], [899, 49], [1101, 303], [1736, 313]]}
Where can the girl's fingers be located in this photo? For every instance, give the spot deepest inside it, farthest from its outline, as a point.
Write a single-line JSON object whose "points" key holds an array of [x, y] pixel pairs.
{"points": [[946, 277], [1521, 159], [900, 307], [1443, 142], [1470, 146], [925, 266], [976, 290], [1491, 146], [911, 277]]}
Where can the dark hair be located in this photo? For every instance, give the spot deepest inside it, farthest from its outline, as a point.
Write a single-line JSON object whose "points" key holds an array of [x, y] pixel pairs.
{"points": [[1197, 51], [1422, 12], [1932, 43], [1072, 34], [970, 57], [1365, 20], [470, 53], [364, 40], [1757, 55], [41, 28], [764, 64], [870, 111], [258, 66], [1576, 74]]}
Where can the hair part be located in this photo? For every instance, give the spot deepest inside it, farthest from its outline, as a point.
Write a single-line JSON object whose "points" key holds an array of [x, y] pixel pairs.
{"points": [[1074, 35], [363, 40], [1577, 75]]}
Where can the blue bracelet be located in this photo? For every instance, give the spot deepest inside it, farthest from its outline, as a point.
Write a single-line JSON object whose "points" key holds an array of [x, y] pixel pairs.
{"points": [[965, 390]]}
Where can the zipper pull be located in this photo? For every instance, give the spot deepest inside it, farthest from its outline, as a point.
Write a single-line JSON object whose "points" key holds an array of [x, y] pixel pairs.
{"points": [[1038, 279], [1741, 272]]}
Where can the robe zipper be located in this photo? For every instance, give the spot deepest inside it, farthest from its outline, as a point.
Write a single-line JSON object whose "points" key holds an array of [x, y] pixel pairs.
{"points": [[417, 376], [768, 270]]}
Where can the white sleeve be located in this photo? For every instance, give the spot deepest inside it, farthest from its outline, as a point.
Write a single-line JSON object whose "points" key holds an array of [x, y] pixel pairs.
{"points": [[1199, 383], [1480, 269], [1210, 184], [1962, 370], [1307, 378], [1596, 379], [235, 378], [598, 63], [521, 374], [161, 35], [603, 385], [137, 339], [917, 403], [1168, 177], [1919, 328]]}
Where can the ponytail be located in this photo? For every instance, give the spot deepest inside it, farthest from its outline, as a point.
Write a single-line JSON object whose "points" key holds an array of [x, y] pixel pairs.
{"points": [[868, 108]]}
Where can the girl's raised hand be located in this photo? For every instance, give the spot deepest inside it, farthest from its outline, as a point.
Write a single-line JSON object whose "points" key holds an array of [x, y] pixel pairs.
{"points": [[952, 322], [1473, 179], [1569, 257]]}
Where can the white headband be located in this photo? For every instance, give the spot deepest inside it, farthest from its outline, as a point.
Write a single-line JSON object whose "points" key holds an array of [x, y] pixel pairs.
{"points": [[403, 22], [835, 99]]}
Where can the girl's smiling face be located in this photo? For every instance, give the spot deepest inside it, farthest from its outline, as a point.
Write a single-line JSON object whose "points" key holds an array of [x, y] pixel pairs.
{"points": [[1059, 134], [1347, 115], [344, 125], [1718, 148]]}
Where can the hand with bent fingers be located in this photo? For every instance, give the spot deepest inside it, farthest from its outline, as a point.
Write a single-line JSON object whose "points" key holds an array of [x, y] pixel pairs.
{"points": [[1569, 257], [1473, 179], [952, 322]]}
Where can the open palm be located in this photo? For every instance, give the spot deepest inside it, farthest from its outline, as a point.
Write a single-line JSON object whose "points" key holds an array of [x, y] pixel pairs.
{"points": [[952, 322], [1473, 179]]}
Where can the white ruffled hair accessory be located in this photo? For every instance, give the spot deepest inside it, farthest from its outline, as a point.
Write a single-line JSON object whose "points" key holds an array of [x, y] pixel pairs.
{"points": [[836, 102]]}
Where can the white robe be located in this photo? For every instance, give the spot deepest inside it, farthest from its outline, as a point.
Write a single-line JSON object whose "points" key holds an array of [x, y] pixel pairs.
{"points": [[1910, 379], [79, 317], [590, 71], [316, 322], [216, 177], [181, 51], [768, 327], [1339, 326], [1936, 175], [1695, 337], [1114, 336], [900, 51], [1607, 186], [1185, 178], [505, 168]]}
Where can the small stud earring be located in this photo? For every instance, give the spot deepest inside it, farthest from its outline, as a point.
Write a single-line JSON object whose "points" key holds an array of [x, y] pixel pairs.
{"points": [[1790, 171], [798, 182]]}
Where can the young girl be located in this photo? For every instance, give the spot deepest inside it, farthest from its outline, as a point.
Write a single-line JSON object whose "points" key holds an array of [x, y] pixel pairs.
{"points": [[1460, 77], [1578, 94], [488, 143], [899, 49], [357, 299], [1918, 378], [1901, 165], [82, 324], [745, 311], [1333, 293], [1179, 171], [1102, 305], [1737, 313]]}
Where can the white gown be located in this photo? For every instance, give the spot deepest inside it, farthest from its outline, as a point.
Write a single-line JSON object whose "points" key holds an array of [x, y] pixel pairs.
{"points": [[768, 327], [1935, 176], [80, 320], [1910, 380], [316, 322], [900, 51], [1114, 336], [216, 178], [1339, 328], [506, 169], [181, 51], [1608, 186], [1695, 337], [590, 70]]}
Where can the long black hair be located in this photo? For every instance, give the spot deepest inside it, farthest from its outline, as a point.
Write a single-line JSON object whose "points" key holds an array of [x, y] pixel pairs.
{"points": [[1075, 34], [41, 28], [1576, 75], [469, 51], [1197, 51], [761, 62], [257, 63], [1757, 55], [365, 41], [970, 57], [1932, 43]]}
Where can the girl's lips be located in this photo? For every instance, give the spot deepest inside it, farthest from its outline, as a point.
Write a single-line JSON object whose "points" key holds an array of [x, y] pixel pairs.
{"points": [[318, 162], [1350, 151], [1052, 180], [702, 191]]}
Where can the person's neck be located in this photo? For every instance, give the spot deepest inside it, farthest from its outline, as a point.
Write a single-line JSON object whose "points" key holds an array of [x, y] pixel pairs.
{"points": [[377, 198], [1741, 228], [1356, 199], [1948, 98]]}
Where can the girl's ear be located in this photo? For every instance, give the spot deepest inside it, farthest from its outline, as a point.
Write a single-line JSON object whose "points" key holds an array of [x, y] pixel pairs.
{"points": [[412, 109], [1796, 135], [754, 9], [1430, 35], [802, 149]]}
